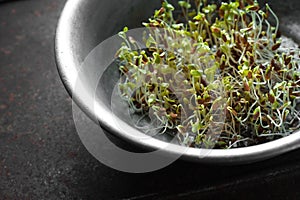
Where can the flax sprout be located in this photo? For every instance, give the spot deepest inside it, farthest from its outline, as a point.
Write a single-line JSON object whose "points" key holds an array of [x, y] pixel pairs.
{"points": [[212, 60]]}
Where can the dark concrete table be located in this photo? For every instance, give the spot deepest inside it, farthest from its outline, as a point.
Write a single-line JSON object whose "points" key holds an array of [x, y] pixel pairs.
{"points": [[41, 156]]}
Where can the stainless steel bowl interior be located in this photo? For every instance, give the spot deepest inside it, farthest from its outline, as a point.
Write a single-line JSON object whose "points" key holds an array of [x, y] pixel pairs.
{"points": [[84, 24]]}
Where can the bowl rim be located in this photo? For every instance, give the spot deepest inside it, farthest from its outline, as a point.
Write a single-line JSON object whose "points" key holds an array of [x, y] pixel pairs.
{"points": [[68, 63]]}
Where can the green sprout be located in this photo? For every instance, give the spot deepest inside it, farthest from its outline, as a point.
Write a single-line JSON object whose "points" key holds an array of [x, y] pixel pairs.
{"points": [[216, 73]]}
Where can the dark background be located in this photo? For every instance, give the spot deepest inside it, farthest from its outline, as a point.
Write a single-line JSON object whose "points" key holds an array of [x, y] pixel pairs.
{"points": [[41, 156]]}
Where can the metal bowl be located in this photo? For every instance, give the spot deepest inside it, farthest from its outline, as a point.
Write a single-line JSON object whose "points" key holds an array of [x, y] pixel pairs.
{"points": [[84, 24]]}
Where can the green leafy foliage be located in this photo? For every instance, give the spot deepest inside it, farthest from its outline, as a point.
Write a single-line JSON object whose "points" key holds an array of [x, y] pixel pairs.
{"points": [[216, 73]]}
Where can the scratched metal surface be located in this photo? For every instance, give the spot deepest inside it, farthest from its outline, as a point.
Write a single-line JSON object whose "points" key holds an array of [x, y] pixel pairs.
{"points": [[41, 156]]}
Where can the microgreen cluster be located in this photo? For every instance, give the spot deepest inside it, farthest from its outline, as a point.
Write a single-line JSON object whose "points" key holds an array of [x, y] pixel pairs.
{"points": [[216, 73]]}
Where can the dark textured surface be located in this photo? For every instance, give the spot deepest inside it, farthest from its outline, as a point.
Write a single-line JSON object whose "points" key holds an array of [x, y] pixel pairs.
{"points": [[41, 156]]}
